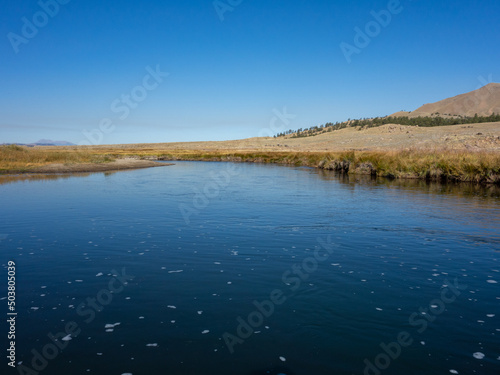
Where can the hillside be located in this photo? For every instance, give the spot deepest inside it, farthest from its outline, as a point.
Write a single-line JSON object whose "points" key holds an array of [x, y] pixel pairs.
{"points": [[479, 106], [483, 102]]}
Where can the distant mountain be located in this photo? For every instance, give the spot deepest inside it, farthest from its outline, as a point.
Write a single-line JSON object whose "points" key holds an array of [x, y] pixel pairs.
{"points": [[41, 142], [49, 142], [484, 101]]}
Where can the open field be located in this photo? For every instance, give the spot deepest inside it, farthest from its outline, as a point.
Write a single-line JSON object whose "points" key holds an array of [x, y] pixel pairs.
{"points": [[473, 137], [453, 153]]}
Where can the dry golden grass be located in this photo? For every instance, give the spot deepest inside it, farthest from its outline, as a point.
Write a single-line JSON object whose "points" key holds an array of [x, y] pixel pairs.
{"points": [[449, 165], [23, 159], [435, 165]]}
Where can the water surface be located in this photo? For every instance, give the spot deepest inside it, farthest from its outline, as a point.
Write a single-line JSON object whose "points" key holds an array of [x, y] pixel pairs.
{"points": [[352, 264]]}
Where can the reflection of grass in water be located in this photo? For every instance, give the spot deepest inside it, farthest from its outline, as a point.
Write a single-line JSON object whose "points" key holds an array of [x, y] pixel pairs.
{"points": [[11, 178], [14, 178], [458, 189], [19, 158]]}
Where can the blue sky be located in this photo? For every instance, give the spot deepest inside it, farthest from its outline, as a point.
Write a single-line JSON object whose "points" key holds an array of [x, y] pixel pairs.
{"points": [[226, 78]]}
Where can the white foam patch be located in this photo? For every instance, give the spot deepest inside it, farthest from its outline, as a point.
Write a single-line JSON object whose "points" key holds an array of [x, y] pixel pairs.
{"points": [[200, 312], [171, 307], [478, 355], [492, 281], [282, 359], [454, 371], [99, 274], [67, 338], [205, 332], [178, 271], [378, 309], [108, 326], [152, 345]]}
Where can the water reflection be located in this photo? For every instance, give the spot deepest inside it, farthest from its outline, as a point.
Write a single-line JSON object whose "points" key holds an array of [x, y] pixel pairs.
{"points": [[457, 189], [12, 179], [463, 189]]}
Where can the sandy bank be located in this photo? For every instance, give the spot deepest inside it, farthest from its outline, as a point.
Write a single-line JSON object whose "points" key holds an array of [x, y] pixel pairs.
{"points": [[117, 165]]}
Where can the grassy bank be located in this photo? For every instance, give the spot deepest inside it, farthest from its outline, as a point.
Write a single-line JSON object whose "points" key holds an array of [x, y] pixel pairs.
{"points": [[20, 159], [477, 167]]}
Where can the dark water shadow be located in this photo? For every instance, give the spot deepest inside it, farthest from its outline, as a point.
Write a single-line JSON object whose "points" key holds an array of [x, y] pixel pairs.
{"points": [[273, 371]]}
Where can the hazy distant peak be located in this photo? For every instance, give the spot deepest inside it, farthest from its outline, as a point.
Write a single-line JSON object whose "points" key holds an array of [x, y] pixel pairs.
{"points": [[49, 142]]}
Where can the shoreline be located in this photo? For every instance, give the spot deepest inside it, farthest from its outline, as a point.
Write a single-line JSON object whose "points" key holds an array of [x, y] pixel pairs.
{"points": [[113, 166], [442, 167], [430, 164]]}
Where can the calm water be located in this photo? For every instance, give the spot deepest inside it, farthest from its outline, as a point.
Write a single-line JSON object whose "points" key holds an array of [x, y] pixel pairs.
{"points": [[251, 269]]}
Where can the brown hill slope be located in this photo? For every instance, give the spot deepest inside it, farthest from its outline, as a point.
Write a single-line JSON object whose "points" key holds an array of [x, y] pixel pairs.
{"points": [[484, 101]]}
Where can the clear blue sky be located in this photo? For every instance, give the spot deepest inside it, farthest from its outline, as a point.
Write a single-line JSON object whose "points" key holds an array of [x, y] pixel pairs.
{"points": [[226, 77]]}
